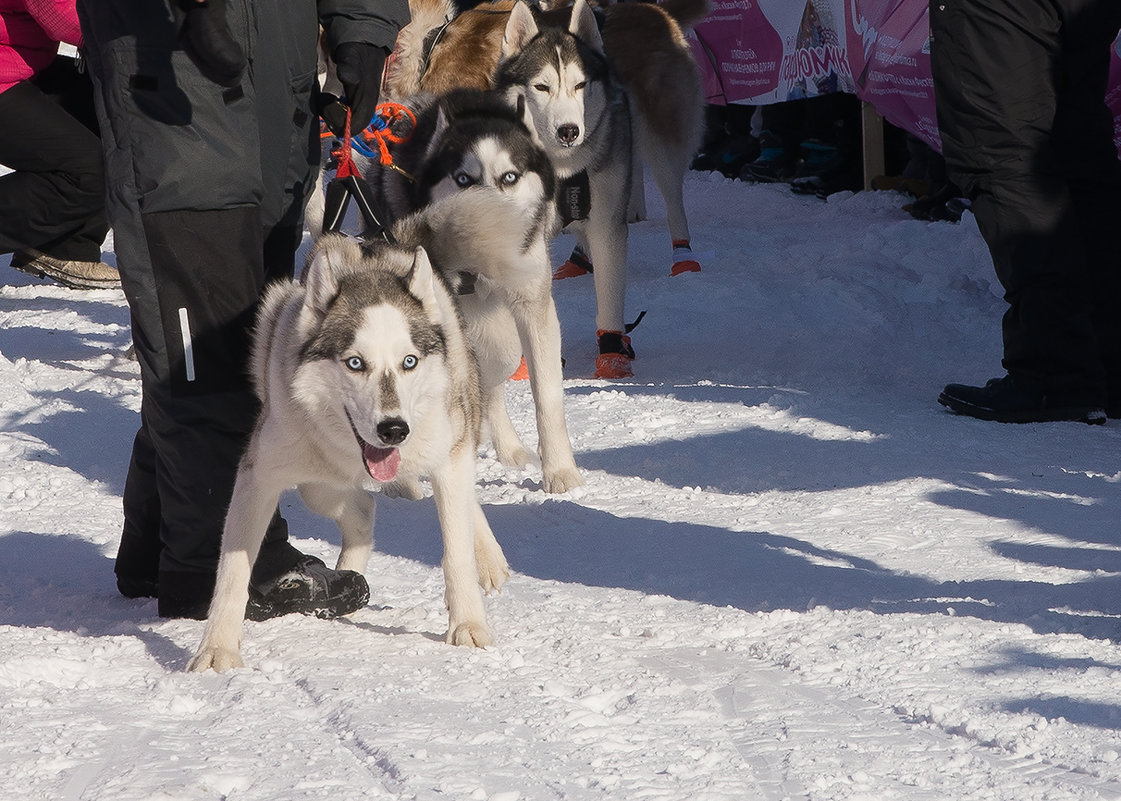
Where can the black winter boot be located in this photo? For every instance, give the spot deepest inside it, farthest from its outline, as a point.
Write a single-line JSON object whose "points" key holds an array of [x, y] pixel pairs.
{"points": [[309, 588], [1006, 400]]}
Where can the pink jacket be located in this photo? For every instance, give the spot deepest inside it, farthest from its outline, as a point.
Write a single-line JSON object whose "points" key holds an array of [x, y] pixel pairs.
{"points": [[30, 31]]}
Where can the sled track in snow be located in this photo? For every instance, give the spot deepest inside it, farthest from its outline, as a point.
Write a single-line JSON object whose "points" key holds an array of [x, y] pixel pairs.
{"points": [[804, 740]]}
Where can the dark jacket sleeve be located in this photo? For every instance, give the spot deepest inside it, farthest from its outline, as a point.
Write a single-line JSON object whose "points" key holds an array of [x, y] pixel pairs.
{"points": [[374, 21]]}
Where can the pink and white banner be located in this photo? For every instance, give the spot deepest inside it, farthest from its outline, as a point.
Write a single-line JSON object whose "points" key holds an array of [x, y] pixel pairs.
{"points": [[768, 51]]}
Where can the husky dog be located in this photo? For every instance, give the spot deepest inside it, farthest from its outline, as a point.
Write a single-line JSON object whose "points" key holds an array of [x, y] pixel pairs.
{"points": [[364, 372], [473, 140], [581, 115], [647, 49]]}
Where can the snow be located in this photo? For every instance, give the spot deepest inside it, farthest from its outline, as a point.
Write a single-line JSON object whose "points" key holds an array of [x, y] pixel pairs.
{"points": [[791, 574]]}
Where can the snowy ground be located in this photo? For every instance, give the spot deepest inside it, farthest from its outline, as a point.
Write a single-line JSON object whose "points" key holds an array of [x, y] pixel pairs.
{"points": [[791, 574]]}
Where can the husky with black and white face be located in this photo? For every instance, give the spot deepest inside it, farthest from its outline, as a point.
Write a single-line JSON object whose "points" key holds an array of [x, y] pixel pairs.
{"points": [[469, 138], [380, 350], [366, 377], [576, 103], [581, 115], [471, 142]]}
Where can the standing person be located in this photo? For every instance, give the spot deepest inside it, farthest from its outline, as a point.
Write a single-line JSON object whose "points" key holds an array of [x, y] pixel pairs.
{"points": [[52, 204], [212, 143], [1020, 91]]}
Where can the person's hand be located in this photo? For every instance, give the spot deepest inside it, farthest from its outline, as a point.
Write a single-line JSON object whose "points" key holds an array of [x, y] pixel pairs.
{"points": [[359, 66], [206, 39]]}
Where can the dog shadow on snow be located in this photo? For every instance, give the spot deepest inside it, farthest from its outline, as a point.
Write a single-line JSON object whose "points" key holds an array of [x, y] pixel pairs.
{"points": [[1059, 479], [761, 571], [750, 570], [973, 466], [754, 570]]}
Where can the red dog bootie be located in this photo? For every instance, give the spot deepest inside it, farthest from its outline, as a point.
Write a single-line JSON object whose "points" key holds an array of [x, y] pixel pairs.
{"points": [[683, 261], [522, 373], [578, 264], [615, 355]]}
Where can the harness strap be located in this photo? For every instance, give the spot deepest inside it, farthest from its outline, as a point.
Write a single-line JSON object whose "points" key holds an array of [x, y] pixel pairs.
{"points": [[431, 39], [348, 181]]}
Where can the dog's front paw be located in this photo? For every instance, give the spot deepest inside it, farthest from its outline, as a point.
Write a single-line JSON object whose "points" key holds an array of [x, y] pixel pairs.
{"points": [[558, 481], [512, 456], [493, 570], [475, 635], [220, 659]]}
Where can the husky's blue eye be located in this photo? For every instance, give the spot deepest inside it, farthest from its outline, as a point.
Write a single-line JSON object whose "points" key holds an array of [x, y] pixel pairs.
{"points": [[463, 180], [355, 364], [409, 362], [510, 178]]}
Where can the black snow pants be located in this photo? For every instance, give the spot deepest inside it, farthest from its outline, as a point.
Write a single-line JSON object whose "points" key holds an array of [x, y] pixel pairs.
{"points": [[207, 187], [1020, 89], [54, 201]]}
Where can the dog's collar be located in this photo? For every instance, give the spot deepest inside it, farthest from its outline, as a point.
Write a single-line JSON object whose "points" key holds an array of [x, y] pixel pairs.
{"points": [[574, 198]]}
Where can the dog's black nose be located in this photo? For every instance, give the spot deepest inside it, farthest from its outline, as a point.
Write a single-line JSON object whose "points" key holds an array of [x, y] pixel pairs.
{"points": [[567, 134], [393, 431]]}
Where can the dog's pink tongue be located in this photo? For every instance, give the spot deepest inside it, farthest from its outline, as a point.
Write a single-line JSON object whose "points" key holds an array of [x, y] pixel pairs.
{"points": [[381, 463]]}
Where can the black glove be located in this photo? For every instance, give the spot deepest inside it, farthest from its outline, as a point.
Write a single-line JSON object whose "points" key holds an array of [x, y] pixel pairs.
{"points": [[359, 66], [207, 40]]}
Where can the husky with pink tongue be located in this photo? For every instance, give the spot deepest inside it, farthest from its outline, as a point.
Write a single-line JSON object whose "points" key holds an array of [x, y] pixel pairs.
{"points": [[364, 372]]}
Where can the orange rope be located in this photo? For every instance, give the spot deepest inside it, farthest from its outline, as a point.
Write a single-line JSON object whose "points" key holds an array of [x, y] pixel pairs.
{"points": [[380, 130]]}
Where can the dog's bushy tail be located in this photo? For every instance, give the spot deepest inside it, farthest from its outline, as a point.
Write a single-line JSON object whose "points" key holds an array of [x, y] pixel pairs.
{"points": [[687, 12], [470, 231]]}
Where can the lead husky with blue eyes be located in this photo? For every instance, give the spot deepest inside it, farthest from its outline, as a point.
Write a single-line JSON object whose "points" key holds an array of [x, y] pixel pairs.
{"points": [[366, 377]]}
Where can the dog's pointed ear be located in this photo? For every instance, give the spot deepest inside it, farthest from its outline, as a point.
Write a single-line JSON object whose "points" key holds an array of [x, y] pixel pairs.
{"points": [[583, 25], [442, 122], [422, 280], [442, 125], [521, 108], [321, 276], [520, 28]]}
